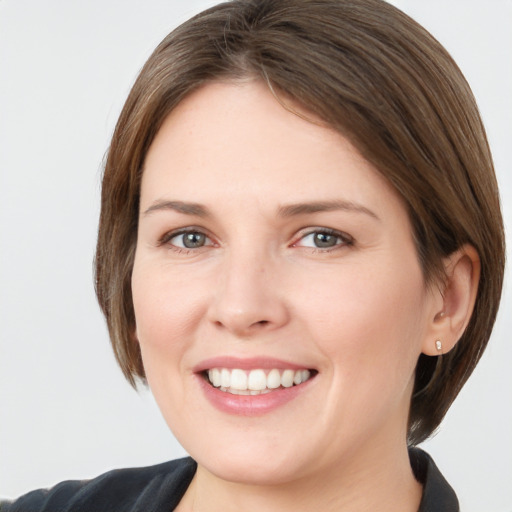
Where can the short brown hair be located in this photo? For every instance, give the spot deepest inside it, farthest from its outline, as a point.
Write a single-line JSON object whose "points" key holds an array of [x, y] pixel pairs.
{"points": [[376, 76]]}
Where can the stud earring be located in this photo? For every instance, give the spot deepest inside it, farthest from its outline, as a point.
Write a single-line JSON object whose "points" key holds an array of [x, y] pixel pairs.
{"points": [[439, 345]]}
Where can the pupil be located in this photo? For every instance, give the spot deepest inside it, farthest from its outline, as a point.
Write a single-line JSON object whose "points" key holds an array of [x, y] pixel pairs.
{"points": [[193, 240], [325, 240]]}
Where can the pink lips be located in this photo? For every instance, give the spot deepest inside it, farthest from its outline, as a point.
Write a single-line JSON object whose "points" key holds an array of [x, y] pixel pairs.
{"points": [[248, 405], [264, 363]]}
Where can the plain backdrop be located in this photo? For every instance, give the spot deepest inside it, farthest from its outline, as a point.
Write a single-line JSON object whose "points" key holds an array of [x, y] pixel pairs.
{"points": [[65, 410]]}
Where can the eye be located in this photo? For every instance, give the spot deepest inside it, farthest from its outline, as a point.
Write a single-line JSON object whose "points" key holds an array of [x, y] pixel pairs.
{"points": [[324, 239], [188, 239]]}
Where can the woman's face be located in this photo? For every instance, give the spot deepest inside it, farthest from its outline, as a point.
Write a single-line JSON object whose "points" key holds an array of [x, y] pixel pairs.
{"points": [[272, 256]]}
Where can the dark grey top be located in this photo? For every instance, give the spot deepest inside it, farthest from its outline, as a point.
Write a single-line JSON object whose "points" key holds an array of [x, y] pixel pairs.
{"points": [[160, 488]]}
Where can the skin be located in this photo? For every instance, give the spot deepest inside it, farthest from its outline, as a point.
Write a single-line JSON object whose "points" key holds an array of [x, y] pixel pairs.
{"points": [[359, 312]]}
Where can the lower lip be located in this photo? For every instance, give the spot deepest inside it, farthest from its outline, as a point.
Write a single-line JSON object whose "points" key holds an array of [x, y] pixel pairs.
{"points": [[250, 405]]}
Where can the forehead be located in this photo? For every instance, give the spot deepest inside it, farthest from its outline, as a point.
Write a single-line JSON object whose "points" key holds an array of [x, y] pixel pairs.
{"points": [[237, 139]]}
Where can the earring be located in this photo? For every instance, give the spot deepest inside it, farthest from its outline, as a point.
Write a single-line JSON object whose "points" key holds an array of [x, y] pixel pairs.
{"points": [[439, 345]]}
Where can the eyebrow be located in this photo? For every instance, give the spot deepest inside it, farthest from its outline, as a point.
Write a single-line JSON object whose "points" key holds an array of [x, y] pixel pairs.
{"points": [[290, 210], [179, 206]]}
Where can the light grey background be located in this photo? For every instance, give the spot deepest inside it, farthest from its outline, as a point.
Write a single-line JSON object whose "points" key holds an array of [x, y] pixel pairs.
{"points": [[65, 411]]}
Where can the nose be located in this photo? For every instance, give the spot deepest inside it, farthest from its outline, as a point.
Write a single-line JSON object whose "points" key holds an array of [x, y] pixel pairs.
{"points": [[249, 298]]}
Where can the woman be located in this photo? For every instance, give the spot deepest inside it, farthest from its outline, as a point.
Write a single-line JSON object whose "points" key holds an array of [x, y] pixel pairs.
{"points": [[301, 251]]}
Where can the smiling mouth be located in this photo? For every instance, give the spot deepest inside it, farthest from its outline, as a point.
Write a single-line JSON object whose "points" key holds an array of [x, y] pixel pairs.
{"points": [[256, 382]]}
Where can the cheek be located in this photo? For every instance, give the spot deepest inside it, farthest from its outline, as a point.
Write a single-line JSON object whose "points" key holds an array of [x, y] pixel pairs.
{"points": [[369, 330], [370, 321], [167, 306]]}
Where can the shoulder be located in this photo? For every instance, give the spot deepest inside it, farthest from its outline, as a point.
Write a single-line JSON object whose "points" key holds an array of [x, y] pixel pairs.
{"points": [[437, 493], [147, 489]]}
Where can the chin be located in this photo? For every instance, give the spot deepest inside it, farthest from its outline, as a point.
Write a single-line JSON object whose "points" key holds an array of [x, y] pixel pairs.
{"points": [[253, 471], [257, 463]]}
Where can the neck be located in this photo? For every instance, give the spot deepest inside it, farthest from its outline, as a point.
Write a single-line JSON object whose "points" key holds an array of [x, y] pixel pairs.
{"points": [[382, 480]]}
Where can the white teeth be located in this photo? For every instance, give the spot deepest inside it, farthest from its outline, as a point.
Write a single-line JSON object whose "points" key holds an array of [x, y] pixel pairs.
{"points": [[214, 376], [225, 378], [287, 378], [255, 382], [238, 380], [273, 379]]}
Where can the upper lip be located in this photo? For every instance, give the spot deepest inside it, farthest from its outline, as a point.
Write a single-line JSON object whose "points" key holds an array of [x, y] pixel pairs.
{"points": [[251, 363]]}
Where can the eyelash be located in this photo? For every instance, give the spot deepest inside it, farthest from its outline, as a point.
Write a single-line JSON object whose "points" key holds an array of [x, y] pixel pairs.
{"points": [[167, 237], [345, 240]]}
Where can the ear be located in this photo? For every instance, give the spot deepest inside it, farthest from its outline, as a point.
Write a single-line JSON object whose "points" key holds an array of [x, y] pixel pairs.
{"points": [[456, 300]]}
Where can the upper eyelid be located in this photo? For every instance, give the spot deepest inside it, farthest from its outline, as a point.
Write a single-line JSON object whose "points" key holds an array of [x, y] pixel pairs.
{"points": [[169, 235], [300, 234], [335, 232]]}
